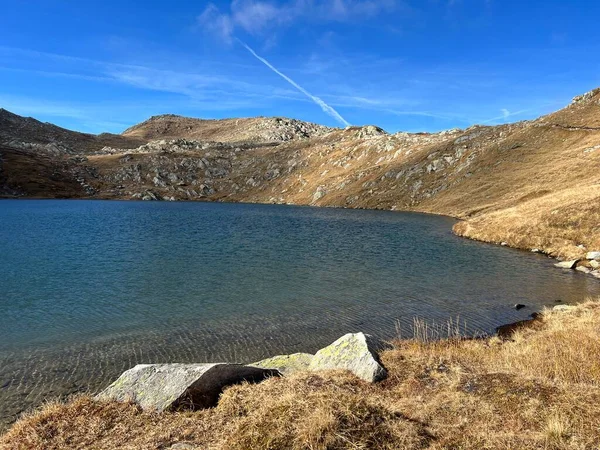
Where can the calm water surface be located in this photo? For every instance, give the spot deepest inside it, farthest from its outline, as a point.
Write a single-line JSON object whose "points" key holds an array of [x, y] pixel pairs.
{"points": [[90, 288]]}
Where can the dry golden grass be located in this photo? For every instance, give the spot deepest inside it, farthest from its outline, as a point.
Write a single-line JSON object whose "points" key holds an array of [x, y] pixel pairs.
{"points": [[538, 390]]}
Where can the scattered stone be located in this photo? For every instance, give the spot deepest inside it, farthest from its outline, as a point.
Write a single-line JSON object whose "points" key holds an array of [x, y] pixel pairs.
{"points": [[506, 332], [357, 353], [286, 364], [536, 250], [150, 196], [563, 308], [567, 264], [183, 446], [519, 306], [595, 273], [504, 244], [593, 255], [595, 264], [319, 193], [171, 387], [583, 269], [370, 131]]}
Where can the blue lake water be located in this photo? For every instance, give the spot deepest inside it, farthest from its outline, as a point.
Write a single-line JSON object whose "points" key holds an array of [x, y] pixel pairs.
{"points": [[90, 288]]}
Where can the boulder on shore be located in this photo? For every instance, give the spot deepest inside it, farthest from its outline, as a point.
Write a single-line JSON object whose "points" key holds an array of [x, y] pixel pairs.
{"points": [[357, 353], [593, 255], [567, 264], [171, 387]]}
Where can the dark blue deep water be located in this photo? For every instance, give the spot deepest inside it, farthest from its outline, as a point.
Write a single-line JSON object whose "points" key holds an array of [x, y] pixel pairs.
{"points": [[90, 288]]}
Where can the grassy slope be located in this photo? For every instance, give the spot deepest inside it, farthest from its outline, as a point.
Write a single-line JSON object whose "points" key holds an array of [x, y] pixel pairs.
{"points": [[541, 389]]}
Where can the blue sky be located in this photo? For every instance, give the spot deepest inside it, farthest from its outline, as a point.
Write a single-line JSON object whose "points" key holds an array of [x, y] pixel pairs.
{"points": [[405, 65]]}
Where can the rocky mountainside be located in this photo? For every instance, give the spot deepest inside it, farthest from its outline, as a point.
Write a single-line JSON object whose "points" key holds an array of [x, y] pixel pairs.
{"points": [[532, 185], [30, 134]]}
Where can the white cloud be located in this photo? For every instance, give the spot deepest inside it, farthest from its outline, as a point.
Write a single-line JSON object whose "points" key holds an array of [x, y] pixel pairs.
{"points": [[256, 16], [213, 21]]}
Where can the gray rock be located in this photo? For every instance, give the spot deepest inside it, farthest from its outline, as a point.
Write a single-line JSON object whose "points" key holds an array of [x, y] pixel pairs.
{"points": [[567, 264], [357, 353], [151, 196], [370, 130], [593, 255], [319, 193], [286, 364], [183, 446], [595, 264], [595, 273], [583, 269], [171, 387], [563, 308]]}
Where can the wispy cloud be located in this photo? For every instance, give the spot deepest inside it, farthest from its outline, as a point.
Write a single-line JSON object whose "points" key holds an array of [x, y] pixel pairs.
{"points": [[257, 16], [324, 106], [211, 85]]}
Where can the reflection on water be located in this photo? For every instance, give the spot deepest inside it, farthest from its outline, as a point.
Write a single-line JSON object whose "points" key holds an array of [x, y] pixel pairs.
{"points": [[88, 289]]}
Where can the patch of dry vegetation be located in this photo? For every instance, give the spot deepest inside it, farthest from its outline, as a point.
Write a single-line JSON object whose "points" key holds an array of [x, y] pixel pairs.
{"points": [[540, 389]]}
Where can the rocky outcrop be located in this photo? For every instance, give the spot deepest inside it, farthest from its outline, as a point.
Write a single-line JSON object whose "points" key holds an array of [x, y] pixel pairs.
{"points": [[171, 387]]}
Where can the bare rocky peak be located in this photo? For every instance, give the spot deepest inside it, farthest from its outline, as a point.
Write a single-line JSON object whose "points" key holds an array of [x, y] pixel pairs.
{"points": [[258, 129], [587, 96]]}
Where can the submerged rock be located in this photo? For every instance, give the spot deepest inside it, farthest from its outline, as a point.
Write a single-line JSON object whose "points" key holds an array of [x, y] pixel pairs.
{"points": [[567, 264], [171, 387], [286, 364], [357, 353]]}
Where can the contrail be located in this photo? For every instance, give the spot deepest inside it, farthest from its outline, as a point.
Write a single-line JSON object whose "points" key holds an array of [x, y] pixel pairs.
{"points": [[324, 106]]}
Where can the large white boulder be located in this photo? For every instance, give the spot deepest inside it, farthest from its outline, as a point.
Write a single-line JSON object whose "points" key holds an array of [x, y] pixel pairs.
{"points": [[357, 353], [169, 387]]}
